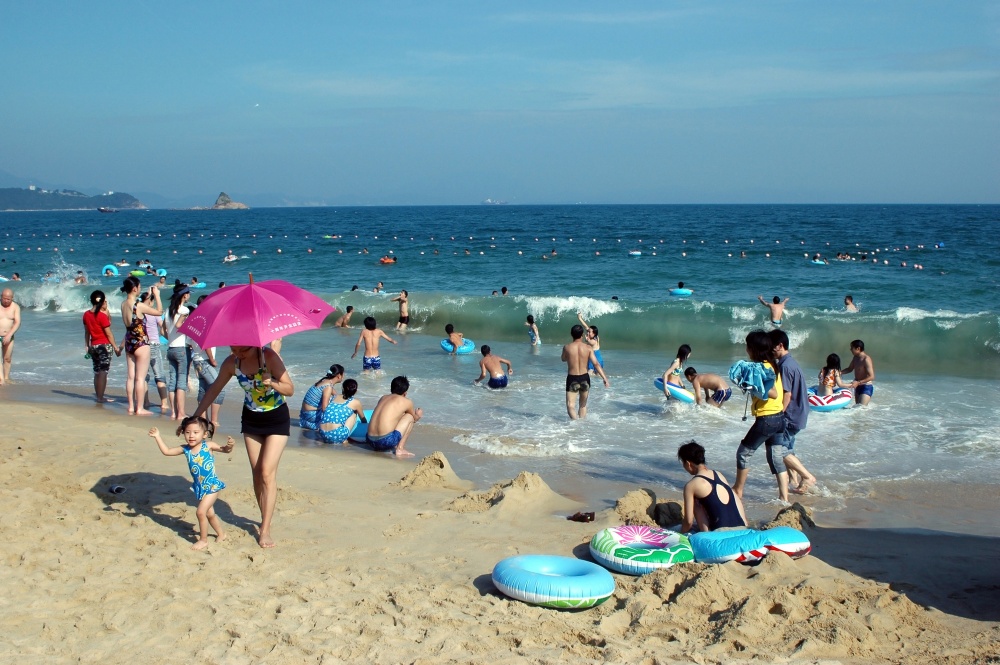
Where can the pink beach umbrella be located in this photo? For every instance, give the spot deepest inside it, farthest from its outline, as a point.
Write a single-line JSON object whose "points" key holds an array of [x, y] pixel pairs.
{"points": [[254, 314]]}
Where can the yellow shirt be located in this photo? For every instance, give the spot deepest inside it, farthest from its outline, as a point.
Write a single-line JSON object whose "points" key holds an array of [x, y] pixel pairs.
{"points": [[768, 407]]}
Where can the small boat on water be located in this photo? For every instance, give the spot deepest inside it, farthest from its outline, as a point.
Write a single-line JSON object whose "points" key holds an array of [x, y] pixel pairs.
{"points": [[102, 209]]}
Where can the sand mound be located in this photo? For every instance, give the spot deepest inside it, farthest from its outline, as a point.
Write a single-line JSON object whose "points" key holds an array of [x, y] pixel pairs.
{"points": [[803, 609], [433, 471], [526, 493], [637, 507], [796, 516]]}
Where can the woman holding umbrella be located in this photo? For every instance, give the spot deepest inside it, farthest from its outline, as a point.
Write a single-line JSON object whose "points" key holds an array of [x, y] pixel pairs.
{"points": [[246, 317], [265, 421]]}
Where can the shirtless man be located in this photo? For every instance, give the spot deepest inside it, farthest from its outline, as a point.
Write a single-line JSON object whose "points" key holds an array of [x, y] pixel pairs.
{"points": [[404, 310], [721, 392], [577, 354], [849, 305], [345, 320], [370, 336], [80, 278], [864, 373], [777, 307], [10, 321], [491, 366], [456, 338], [708, 498], [393, 419]]}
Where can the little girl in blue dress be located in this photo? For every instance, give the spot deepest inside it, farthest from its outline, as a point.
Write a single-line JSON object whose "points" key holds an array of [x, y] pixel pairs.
{"points": [[198, 448]]}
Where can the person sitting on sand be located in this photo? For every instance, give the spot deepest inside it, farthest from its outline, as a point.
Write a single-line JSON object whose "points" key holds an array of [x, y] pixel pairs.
{"points": [[721, 392], [491, 366], [198, 448], [777, 307], [345, 320], [709, 501], [393, 419], [371, 360], [456, 339]]}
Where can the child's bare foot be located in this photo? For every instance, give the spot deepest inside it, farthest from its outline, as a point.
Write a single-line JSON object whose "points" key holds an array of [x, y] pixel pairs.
{"points": [[403, 453], [143, 412], [265, 542], [220, 537], [804, 486], [200, 545]]}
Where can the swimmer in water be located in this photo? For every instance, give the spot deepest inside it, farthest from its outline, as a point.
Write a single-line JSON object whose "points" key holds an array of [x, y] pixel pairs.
{"points": [[491, 366], [849, 304], [777, 307], [229, 257]]}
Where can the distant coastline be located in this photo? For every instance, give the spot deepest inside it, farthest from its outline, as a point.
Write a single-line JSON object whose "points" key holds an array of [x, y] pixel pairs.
{"points": [[13, 199]]}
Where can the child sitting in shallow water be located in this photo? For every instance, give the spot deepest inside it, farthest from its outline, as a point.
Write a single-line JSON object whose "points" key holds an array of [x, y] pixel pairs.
{"points": [[198, 449]]}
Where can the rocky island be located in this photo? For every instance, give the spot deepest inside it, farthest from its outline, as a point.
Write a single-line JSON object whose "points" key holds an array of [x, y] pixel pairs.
{"points": [[225, 203]]}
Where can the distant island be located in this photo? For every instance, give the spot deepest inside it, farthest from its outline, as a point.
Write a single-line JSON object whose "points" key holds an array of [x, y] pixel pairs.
{"points": [[492, 202], [225, 203], [36, 198]]}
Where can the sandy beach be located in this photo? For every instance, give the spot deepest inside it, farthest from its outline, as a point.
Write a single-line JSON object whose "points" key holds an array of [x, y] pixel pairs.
{"points": [[388, 561]]}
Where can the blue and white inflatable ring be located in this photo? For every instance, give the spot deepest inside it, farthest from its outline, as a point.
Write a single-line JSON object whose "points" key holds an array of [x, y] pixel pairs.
{"points": [[681, 292], [112, 267], [839, 399], [468, 346], [678, 393], [553, 581]]}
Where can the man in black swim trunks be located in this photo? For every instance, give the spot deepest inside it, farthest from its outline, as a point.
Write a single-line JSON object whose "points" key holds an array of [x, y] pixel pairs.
{"points": [[404, 309], [576, 354]]}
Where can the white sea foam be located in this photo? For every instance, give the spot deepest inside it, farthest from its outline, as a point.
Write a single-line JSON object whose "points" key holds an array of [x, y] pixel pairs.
{"points": [[557, 307]]}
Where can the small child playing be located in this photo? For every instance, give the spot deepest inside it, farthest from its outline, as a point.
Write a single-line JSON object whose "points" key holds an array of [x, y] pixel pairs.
{"points": [[198, 449], [829, 376]]}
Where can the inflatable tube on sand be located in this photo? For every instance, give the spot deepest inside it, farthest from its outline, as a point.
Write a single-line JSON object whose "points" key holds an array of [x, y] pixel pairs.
{"points": [[553, 581], [360, 430], [748, 545], [637, 550], [834, 402], [468, 346], [676, 392]]}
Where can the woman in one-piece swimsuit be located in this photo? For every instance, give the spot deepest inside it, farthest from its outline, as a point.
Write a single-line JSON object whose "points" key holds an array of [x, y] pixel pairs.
{"points": [[137, 342]]}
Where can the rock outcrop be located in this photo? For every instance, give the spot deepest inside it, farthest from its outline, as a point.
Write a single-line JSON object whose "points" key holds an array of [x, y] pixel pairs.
{"points": [[226, 203]]}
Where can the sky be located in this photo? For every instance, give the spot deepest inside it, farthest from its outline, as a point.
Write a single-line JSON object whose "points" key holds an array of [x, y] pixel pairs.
{"points": [[433, 102]]}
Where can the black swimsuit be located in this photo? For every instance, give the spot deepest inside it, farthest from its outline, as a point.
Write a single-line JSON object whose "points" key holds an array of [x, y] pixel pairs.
{"points": [[578, 383], [720, 514]]}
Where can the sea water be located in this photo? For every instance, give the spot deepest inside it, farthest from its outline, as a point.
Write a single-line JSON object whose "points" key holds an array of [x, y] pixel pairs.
{"points": [[933, 333]]}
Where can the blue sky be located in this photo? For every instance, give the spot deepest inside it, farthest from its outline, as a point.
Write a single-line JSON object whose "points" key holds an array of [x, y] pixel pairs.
{"points": [[560, 102]]}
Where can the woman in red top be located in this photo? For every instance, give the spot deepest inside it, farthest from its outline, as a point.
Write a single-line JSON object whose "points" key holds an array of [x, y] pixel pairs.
{"points": [[100, 341]]}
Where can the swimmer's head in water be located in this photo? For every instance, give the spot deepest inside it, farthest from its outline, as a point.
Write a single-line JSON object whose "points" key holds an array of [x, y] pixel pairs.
{"points": [[776, 300], [350, 308], [485, 349], [576, 332], [531, 320], [857, 345], [449, 328], [370, 323]]}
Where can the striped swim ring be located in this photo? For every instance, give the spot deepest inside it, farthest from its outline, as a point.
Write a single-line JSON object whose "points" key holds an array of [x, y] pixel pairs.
{"points": [[833, 402], [748, 545], [553, 581], [637, 550]]}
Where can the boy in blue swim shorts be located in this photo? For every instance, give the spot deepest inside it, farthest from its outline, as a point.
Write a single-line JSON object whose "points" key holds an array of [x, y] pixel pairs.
{"points": [[864, 374], [393, 419], [491, 366], [371, 361], [721, 392]]}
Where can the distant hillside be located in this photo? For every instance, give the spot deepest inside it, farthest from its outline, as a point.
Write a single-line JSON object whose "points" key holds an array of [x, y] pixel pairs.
{"points": [[63, 199]]}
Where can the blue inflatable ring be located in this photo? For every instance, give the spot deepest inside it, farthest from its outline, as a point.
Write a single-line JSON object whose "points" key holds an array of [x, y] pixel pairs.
{"points": [[162, 272], [112, 267], [199, 285], [553, 581], [468, 346], [678, 393], [360, 431], [681, 292], [748, 545]]}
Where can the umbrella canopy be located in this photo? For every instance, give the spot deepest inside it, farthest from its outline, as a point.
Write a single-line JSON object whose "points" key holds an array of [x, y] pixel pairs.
{"points": [[254, 314]]}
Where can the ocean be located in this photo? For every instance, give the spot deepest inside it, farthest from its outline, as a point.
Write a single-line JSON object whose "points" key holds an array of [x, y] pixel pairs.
{"points": [[933, 331]]}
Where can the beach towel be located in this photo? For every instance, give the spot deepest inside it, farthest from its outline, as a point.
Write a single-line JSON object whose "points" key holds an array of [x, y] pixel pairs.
{"points": [[752, 377]]}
